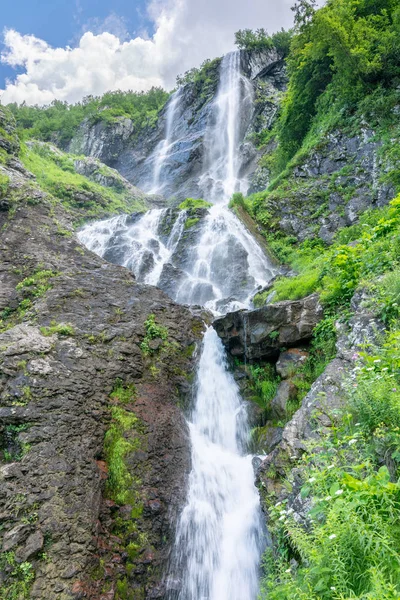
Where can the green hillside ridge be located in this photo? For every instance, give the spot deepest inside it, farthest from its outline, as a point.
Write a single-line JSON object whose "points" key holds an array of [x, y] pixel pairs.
{"points": [[344, 70]]}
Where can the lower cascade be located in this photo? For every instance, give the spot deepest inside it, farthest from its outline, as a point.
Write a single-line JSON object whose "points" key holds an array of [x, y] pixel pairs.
{"points": [[219, 537], [207, 259]]}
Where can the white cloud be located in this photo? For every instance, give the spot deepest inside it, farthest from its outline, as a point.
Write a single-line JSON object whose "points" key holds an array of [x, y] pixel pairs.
{"points": [[186, 32]]}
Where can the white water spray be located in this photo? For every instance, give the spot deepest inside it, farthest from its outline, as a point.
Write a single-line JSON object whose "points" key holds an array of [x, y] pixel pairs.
{"points": [[220, 534], [163, 150], [233, 108]]}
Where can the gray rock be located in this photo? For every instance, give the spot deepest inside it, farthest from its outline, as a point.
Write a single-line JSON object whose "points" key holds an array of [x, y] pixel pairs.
{"points": [[290, 361], [260, 333], [286, 391], [34, 544]]}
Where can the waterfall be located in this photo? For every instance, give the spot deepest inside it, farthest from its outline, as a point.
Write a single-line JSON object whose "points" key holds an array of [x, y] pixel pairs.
{"points": [[163, 150], [210, 259], [233, 108], [220, 534]]}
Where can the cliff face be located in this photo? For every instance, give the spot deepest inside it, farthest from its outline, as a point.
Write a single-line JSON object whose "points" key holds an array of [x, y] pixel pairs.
{"points": [[116, 145], [77, 361]]}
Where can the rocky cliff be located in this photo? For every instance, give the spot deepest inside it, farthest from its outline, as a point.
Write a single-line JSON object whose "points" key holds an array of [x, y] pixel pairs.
{"points": [[80, 360], [133, 156]]}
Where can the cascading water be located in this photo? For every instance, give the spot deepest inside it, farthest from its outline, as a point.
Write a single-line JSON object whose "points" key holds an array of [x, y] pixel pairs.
{"points": [[220, 534], [211, 260], [233, 108], [164, 148]]}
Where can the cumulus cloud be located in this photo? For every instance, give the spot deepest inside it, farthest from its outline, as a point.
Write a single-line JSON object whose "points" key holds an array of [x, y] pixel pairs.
{"points": [[186, 32]]}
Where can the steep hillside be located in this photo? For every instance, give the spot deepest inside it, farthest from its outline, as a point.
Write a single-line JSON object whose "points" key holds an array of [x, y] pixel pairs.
{"points": [[94, 368]]}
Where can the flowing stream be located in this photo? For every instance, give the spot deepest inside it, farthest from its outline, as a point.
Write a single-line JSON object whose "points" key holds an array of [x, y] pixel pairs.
{"points": [[218, 264]]}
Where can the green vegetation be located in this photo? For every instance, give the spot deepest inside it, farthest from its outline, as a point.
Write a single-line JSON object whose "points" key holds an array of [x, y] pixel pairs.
{"points": [[345, 41], [350, 547], [153, 332], [192, 204], [360, 254], [37, 284], [203, 79], [58, 328], [55, 173], [4, 185], [62, 120], [246, 39], [19, 577], [263, 383], [30, 289]]}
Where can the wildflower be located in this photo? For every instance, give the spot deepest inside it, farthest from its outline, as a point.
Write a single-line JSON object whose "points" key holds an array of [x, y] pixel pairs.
{"points": [[290, 511], [358, 425], [311, 480], [378, 360], [281, 518], [351, 442], [283, 512], [333, 588], [278, 504], [328, 498], [288, 571], [385, 369], [370, 369], [338, 493], [332, 536], [331, 467]]}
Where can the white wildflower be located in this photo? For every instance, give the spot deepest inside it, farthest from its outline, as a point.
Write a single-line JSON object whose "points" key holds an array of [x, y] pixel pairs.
{"points": [[338, 493], [333, 536], [288, 571], [328, 498], [311, 480], [353, 441], [281, 518], [331, 467]]}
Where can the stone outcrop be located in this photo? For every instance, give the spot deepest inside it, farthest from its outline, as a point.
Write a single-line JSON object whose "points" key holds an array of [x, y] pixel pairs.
{"points": [[330, 187], [71, 329], [261, 333], [321, 408], [119, 146]]}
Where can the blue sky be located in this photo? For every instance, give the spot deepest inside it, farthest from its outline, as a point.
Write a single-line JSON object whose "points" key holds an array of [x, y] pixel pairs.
{"points": [[69, 49], [60, 22]]}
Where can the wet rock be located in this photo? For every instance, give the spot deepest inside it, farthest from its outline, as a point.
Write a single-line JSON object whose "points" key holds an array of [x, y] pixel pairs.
{"points": [[268, 438], [260, 333], [60, 386], [34, 545], [286, 391], [15, 536], [290, 361]]}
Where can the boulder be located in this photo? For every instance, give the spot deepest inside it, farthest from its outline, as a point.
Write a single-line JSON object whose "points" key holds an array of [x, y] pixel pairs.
{"points": [[290, 361], [261, 333], [286, 391]]}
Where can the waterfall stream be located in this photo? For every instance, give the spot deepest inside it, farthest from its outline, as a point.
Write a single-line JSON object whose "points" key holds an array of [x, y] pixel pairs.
{"points": [[220, 534], [218, 264]]}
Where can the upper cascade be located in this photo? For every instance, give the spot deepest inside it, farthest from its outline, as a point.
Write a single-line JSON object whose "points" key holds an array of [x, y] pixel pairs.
{"points": [[205, 257], [229, 120]]}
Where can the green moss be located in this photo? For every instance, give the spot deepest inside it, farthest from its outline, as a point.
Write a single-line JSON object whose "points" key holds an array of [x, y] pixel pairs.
{"points": [[56, 175], [17, 577], [153, 331], [189, 223], [58, 328], [192, 204]]}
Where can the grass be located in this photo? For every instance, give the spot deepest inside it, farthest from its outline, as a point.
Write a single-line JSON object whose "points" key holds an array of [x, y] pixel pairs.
{"points": [[153, 331], [56, 175], [63, 329]]}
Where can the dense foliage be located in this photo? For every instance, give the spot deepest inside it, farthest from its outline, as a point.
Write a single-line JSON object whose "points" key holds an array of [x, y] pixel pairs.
{"points": [[347, 50], [246, 39], [60, 121]]}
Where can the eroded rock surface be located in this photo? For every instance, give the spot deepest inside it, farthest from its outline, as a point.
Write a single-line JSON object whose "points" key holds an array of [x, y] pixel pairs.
{"points": [[65, 342], [261, 333]]}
